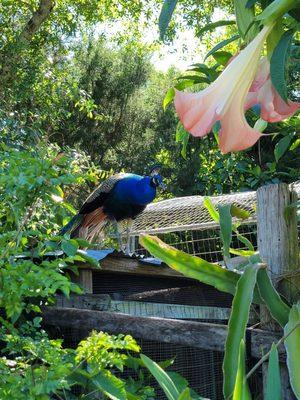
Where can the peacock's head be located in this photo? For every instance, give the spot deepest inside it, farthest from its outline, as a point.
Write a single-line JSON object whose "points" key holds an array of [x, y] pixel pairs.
{"points": [[156, 179]]}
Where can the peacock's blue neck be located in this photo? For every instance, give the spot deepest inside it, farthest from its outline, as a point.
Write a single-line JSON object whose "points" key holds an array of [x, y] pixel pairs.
{"points": [[135, 189], [144, 193]]}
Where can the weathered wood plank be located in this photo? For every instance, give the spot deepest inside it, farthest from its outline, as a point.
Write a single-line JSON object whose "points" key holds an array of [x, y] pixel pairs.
{"points": [[145, 309], [189, 333], [84, 279], [278, 247], [132, 266]]}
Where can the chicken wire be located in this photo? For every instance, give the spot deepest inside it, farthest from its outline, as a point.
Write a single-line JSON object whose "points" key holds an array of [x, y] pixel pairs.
{"points": [[186, 224]]}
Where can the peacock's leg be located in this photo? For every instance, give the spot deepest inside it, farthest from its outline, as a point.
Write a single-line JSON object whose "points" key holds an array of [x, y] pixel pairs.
{"points": [[128, 238], [118, 234]]}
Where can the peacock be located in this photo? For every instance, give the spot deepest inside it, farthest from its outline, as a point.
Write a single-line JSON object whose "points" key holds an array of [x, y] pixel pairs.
{"points": [[121, 197]]}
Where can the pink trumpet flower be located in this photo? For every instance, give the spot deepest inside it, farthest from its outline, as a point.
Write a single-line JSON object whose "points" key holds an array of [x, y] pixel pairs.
{"points": [[273, 108], [224, 101]]}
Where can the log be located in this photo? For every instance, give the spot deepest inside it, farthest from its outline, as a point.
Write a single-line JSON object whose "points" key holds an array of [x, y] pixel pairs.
{"points": [[188, 333]]}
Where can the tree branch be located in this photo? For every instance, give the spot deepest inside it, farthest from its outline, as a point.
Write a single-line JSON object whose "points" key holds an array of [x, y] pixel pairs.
{"points": [[38, 17]]}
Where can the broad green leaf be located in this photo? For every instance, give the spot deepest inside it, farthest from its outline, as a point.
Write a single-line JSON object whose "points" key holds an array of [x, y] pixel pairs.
{"points": [[239, 212], [193, 267], [226, 227], [244, 18], [222, 57], [185, 395], [237, 326], [163, 379], [281, 147], [260, 125], [273, 385], [292, 346], [110, 385], [208, 204], [278, 62], [70, 247], [241, 388], [277, 307], [184, 83], [214, 25], [165, 16], [220, 45], [275, 10], [168, 97]]}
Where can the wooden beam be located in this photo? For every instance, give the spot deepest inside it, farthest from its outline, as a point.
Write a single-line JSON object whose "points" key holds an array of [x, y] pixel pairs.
{"points": [[145, 309], [188, 333], [132, 266]]}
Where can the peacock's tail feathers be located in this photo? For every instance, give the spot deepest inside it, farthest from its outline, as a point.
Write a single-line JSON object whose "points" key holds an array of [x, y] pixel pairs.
{"points": [[93, 224], [72, 225]]}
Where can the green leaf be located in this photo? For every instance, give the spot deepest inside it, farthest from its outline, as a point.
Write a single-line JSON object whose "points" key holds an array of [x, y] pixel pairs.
{"points": [[239, 212], [182, 136], [222, 57], [241, 388], [195, 78], [281, 147], [292, 346], [165, 16], [237, 326], [275, 10], [220, 45], [278, 309], [226, 227], [278, 62], [88, 259], [245, 241], [214, 25], [295, 145], [208, 204], [70, 247], [109, 384], [185, 395], [168, 97], [273, 384], [184, 83], [193, 267], [244, 17], [69, 207], [163, 379]]}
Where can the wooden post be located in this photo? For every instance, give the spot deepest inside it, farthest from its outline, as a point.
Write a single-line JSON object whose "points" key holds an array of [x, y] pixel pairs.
{"points": [[85, 280], [278, 248]]}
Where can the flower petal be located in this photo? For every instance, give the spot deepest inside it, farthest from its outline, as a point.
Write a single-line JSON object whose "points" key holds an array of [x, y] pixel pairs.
{"points": [[196, 111], [235, 133]]}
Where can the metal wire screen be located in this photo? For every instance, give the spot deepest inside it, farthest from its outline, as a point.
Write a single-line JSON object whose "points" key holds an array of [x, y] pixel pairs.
{"points": [[159, 290], [201, 368], [203, 243]]}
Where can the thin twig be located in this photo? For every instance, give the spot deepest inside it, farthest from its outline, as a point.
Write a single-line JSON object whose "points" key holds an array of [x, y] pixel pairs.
{"points": [[266, 356]]}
